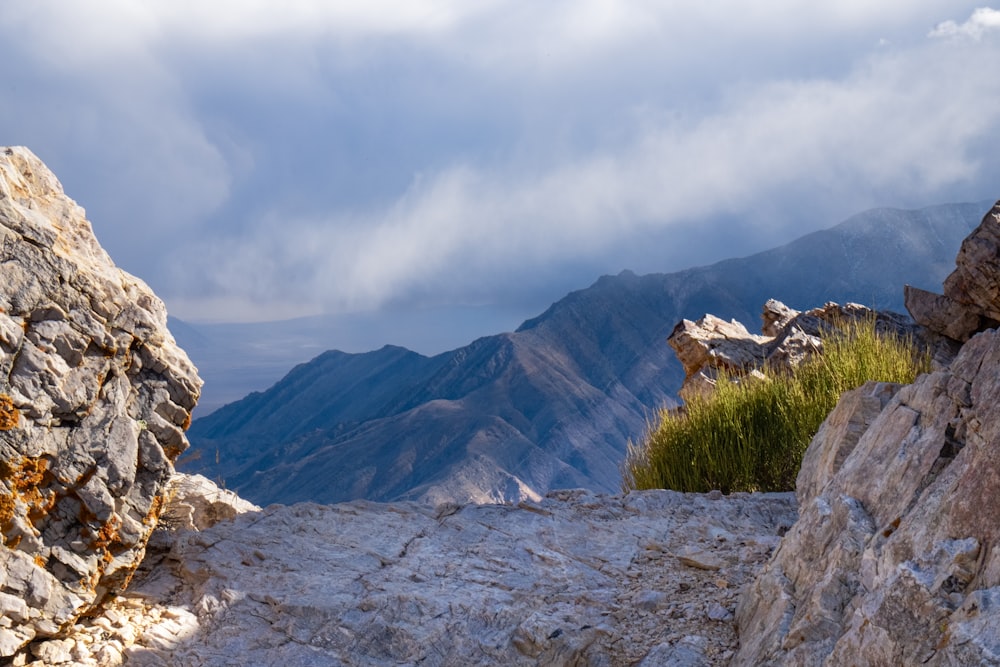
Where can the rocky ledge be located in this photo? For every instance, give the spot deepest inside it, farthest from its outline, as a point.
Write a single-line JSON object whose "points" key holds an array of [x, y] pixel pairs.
{"points": [[650, 578]]}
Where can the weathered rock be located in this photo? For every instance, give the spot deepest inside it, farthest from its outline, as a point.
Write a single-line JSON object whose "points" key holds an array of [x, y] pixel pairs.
{"points": [[976, 279], [942, 314], [711, 346], [894, 560], [971, 299], [838, 435], [576, 578], [94, 400], [197, 503], [776, 317]]}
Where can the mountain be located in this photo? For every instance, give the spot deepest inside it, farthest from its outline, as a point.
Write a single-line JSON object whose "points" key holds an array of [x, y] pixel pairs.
{"points": [[553, 404], [236, 358]]}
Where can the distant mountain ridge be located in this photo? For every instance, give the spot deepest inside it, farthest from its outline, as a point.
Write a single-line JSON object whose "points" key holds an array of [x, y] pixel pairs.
{"points": [[553, 404]]}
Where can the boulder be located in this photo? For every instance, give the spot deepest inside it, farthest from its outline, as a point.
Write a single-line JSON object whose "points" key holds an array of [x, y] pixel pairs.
{"points": [[941, 314], [711, 346], [94, 399], [971, 299], [976, 278], [893, 559]]}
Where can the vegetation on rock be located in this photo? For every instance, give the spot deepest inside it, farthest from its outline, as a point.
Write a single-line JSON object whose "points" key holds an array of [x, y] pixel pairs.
{"points": [[751, 432]]}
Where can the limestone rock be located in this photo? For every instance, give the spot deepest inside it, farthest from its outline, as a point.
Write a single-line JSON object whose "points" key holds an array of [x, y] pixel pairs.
{"points": [[776, 317], [976, 279], [197, 503], [838, 435], [971, 299], [894, 559], [576, 578], [710, 346], [94, 399], [942, 314]]}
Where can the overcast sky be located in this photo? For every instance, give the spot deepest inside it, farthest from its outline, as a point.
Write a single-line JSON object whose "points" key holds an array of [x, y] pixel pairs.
{"points": [[262, 159]]}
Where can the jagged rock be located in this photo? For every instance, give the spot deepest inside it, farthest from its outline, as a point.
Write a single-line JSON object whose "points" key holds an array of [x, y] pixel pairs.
{"points": [[576, 578], [776, 317], [838, 435], [894, 559], [197, 503], [976, 279], [971, 299], [711, 346], [94, 399], [942, 314]]}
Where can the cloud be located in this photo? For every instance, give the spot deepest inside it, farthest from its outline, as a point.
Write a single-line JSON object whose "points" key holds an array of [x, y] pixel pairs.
{"points": [[983, 20], [254, 158], [900, 126]]}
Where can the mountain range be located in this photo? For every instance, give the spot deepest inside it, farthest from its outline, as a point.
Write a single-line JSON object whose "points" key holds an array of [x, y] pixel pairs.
{"points": [[552, 404]]}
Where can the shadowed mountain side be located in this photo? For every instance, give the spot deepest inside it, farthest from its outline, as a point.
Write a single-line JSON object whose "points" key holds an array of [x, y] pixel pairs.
{"points": [[553, 404]]}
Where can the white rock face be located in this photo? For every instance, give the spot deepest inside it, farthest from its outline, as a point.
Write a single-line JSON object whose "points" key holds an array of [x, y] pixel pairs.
{"points": [[575, 579], [894, 558], [94, 399]]}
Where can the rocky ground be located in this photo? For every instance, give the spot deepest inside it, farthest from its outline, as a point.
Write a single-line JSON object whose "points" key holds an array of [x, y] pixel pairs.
{"points": [[650, 578]]}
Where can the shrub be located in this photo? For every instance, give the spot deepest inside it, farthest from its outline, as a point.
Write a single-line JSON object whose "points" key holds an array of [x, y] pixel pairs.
{"points": [[750, 433]]}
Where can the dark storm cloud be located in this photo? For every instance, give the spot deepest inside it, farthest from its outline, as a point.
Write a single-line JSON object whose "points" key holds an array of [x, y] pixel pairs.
{"points": [[263, 159]]}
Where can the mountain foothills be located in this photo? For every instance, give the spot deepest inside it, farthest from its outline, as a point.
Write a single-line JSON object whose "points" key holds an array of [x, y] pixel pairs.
{"points": [[553, 404]]}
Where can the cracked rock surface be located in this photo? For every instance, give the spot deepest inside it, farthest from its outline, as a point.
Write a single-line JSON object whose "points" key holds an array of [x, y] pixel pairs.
{"points": [[576, 579], [893, 560], [94, 399]]}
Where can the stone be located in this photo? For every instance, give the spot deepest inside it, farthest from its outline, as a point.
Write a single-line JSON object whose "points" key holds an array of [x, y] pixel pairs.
{"points": [[976, 279], [687, 652], [197, 503], [776, 317], [710, 346], [941, 314], [893, 560], [971, 299], [838, 435], [701, 559], [565, 580], [94, 399]]}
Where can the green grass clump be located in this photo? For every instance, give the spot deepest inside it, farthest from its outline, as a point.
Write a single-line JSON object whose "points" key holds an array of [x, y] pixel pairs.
{"points": [[750, 433]]}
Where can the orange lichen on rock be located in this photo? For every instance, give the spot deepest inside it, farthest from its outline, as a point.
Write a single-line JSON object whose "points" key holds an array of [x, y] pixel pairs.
{"points": [[153, 515], [24, 482], [9, 415]]}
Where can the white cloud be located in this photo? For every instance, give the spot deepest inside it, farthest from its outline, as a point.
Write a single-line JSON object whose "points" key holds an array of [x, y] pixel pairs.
{"points": [[545, 132], [901, 125], [983, 19]]}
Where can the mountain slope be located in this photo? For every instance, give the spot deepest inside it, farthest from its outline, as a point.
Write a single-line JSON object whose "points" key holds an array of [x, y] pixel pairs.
{"points": [[553, 404]]}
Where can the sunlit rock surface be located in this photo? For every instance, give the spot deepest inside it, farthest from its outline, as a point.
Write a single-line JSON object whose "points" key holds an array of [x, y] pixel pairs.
{"points": [[94, 399], [573, 579], [894, 558]]}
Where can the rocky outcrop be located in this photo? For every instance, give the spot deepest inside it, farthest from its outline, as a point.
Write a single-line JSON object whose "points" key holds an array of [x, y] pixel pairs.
{"points": [[710, 346], [94, 400], [971, 299], [649, 579], [894, 557]]}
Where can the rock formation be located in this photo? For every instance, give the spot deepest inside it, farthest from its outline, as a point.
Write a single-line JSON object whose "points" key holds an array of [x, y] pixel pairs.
{"points": [[94, 400], [647, 579], [894, 558], [711, 346], [971, 299]]}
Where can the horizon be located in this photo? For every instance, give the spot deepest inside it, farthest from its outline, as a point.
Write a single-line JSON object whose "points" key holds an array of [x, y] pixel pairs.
{"points": [[397, 161]]}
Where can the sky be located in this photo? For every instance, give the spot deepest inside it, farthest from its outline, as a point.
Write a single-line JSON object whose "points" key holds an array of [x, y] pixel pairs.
{"points": [[260, 160]]}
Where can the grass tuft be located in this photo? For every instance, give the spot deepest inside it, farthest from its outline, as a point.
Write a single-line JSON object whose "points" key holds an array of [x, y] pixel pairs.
{"points": [[750, 433]]}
